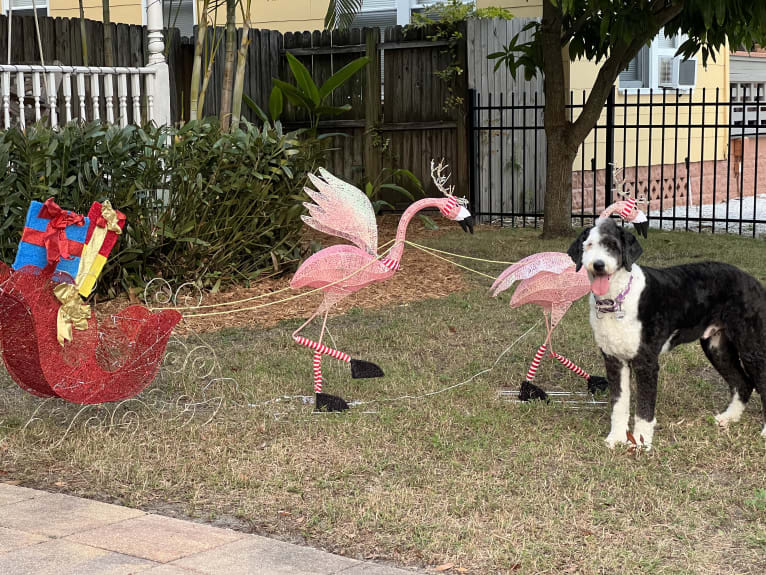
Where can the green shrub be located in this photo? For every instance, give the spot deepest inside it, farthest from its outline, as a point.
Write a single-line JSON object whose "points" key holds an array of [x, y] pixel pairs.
{"points": [[201, 205]]}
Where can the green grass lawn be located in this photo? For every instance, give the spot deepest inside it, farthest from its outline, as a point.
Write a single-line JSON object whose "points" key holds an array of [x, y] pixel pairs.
{"points": [[461, 476]]}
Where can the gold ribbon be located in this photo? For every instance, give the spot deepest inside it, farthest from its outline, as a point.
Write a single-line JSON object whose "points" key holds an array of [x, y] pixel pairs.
{"points": [[71, 313], [110, 216], [107, 222]]}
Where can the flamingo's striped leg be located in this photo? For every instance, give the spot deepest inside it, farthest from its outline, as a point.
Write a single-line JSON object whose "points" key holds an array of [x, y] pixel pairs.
{"points": [[536, 362], [317, 372], [321, 349], [571, 366]]}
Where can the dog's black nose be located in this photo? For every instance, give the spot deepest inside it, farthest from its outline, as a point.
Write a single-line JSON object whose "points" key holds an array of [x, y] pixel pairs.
{"points": [[599, 266]]}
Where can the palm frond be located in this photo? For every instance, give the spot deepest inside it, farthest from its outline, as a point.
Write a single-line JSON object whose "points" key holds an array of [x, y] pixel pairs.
{"points": [[341, 13]]}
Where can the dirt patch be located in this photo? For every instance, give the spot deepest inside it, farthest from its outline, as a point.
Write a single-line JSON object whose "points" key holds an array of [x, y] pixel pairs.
{"points": [[420, 277]]}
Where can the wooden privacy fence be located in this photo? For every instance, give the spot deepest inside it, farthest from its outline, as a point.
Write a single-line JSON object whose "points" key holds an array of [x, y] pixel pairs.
{"points": [[509, 151], [398, 117]]}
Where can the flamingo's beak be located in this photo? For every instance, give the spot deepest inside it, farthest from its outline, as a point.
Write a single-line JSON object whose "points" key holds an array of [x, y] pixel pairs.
{"points": [[466, 219]]}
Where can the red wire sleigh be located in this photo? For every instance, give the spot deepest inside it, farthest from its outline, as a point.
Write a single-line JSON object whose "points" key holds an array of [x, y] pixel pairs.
{"points": [[102, 363]]}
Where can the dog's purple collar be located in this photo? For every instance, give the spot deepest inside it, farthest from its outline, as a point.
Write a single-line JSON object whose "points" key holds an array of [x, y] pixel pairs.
{"points": [[614, 305]]}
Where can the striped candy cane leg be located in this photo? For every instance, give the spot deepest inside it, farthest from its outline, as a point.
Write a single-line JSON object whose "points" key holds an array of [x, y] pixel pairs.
{"points": [[571, 366], [317, 372], [536, 362], [321, 348]]}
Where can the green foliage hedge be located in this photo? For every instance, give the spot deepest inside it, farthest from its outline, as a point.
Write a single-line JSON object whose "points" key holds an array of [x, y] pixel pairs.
{"points": [[201, 205]]}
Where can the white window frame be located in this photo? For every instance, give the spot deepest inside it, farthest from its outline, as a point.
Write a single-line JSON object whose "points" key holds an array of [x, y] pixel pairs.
{"points": [[39, 4], [652, 74]]}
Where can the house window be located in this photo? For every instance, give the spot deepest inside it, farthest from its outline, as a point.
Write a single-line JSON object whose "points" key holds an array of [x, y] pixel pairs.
{"points": [[25, 8], [657, 66], [180, 14]]}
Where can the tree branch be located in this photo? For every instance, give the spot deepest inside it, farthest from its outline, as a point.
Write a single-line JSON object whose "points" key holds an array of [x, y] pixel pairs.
{"points": [[619, 57]]}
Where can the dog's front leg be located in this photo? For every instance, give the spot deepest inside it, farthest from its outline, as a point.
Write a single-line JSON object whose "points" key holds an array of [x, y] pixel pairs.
{"points": [[618, 374], [647, 369]]}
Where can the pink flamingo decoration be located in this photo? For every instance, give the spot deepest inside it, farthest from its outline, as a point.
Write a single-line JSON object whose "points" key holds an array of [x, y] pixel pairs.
{"points": [[342, 210], [627, 208], [548, 279]]}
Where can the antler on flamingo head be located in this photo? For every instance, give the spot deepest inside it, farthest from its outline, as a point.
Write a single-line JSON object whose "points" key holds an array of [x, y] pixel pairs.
{"points": [[453, 208]]}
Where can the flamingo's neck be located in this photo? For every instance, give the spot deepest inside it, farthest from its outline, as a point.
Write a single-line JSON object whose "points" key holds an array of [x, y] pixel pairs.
{"points": [[396, 252]]}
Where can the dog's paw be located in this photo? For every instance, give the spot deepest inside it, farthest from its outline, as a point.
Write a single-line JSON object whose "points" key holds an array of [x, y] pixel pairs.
{"points": [[724, 419], [613, 441]]}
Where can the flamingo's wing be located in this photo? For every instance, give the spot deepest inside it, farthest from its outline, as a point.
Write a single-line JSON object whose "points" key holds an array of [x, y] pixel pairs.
{"points": [[342, 210], [554, 262]]}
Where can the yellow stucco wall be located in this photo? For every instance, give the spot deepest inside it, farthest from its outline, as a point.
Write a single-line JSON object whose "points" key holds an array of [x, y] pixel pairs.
{"points": [[123, 11], [283, 15], [715, 76], [520, 8]]}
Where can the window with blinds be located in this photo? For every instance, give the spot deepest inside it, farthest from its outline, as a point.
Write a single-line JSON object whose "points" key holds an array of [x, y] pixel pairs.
{"points": [[657, 66], [24, 7]]}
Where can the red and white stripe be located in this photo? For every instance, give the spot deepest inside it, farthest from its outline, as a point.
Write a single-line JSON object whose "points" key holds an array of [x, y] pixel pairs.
{"points": [[571, 366], [322, 349], [391, 264], [536, 362], [317, 372], [447, 209], [630, 205]]}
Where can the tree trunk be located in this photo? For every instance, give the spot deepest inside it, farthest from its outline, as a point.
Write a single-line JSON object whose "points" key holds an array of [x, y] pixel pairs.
{"points": [[194, 95], [561, 151], [228, 64], [108, 54], [83, 36], [239, 78], [558, 184]]}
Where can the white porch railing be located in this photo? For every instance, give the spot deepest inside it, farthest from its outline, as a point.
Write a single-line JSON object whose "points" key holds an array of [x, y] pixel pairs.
{"points": [[67, 93], [31, 92]]}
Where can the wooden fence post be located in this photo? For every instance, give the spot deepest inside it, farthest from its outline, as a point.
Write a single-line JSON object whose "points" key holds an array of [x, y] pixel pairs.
{"points": [[372, 164], [156, 45], [462, 169]]}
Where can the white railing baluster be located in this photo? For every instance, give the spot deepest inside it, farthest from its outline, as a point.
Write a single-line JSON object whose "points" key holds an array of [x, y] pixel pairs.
{"points": [[7, 99], [137, 98], [36, 94], [109, 97], [135, 85], [81, 95], [94, 96], [20, 88], [122, 95], [52, 101], [150, 97], [68, 96]]}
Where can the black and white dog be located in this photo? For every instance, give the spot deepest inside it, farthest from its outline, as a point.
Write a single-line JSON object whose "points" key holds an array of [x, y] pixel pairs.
{"points": [[638, 313]]}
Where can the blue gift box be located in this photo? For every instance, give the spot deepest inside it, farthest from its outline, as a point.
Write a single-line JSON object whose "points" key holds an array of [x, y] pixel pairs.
{"points": [[42, 241]]}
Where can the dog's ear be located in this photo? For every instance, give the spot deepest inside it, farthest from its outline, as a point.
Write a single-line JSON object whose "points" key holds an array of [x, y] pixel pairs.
{"points": [[575, 250], [631, 249]]}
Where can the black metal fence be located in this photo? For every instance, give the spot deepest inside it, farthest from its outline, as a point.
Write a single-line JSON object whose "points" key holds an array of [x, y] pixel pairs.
{"points": [[693, 157]]}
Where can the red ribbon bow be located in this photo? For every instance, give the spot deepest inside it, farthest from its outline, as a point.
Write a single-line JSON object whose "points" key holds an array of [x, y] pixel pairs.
{"points": [[54, 238]]}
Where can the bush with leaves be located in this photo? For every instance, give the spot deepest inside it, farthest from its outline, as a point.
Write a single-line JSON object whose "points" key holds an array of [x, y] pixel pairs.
{"points": [[210, 206]]}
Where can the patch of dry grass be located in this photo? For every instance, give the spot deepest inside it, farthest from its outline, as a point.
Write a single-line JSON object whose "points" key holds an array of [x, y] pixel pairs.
{"points": [[459, 477]]}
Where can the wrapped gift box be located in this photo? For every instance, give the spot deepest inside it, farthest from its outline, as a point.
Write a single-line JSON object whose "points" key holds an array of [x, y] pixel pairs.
{"points": [[106, 224], [50, 235]]}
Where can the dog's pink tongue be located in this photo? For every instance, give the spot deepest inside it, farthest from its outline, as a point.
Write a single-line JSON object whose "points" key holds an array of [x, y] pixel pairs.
{"points": [[600, 285]]}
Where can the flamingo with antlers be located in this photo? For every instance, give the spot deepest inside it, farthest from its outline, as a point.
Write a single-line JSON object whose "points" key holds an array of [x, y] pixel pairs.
{"points": [[548, 279], [342, 210], [627, 208]]}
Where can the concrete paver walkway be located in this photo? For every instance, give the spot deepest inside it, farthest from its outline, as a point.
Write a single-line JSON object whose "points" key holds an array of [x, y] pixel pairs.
{"points": [[52, 534]]}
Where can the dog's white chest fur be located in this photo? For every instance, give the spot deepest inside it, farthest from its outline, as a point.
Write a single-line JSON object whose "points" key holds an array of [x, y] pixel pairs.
{"points": [[620, 338]]}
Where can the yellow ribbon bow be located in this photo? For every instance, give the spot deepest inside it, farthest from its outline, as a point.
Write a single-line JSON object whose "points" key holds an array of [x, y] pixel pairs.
{"points": [[71, 313]]}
